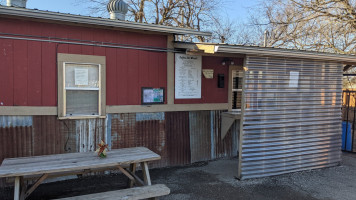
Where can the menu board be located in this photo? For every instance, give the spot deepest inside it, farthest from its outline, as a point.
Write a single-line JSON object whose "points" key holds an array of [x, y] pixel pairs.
{"points": [[188, 70]]}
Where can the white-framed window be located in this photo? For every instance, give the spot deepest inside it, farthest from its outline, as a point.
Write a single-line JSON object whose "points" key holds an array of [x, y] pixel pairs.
{"points": [[236, 75], [81, 86]]}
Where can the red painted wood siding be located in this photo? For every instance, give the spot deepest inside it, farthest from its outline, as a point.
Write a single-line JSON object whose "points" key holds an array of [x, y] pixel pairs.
{"points": [[210, 92], [28, 71]]}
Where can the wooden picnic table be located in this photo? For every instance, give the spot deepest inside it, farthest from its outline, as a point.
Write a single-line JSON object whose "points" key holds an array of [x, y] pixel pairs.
{"points": [[44, 166]]}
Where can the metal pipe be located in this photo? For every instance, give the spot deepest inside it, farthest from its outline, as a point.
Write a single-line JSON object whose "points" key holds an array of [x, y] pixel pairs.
{"points": [[353, 127], [347, 119], [91, 44], [266, 34]]}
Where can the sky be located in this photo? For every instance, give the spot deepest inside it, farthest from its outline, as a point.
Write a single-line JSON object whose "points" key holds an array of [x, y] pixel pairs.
{"points": [[235, 9]]}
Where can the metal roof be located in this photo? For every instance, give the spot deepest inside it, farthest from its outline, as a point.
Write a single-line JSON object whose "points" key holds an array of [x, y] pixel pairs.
{"points": [[61, 17], [274, 52]]}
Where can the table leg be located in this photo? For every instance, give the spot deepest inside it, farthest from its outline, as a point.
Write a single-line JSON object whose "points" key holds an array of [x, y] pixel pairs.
{"points": [[132, 170], [17, 188], [146, 173]]}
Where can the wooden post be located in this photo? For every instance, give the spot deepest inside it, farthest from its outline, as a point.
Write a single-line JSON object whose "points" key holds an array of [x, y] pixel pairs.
{"points": [[132, 170], [17, 188], [146, 173]]}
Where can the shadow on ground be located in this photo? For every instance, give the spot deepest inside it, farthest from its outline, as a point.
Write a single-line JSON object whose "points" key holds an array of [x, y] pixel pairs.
{"points": [[216, 180]]}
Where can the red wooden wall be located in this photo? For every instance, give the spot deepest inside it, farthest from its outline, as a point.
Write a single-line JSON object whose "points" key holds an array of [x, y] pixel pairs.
{"points": [[28, 71], [210, 92]]}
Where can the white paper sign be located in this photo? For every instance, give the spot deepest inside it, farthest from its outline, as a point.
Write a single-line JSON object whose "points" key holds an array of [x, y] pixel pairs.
{"points": [[293, 79], [188, 71], [208, 73], [81, 76]]}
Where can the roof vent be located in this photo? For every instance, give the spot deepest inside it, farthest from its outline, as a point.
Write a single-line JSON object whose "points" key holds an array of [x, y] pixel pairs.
{"points": [[17, 3], [117, 9]]}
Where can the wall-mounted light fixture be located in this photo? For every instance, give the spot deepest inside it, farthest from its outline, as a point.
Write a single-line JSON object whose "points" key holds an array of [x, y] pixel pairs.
{"points": [[227, 61]]}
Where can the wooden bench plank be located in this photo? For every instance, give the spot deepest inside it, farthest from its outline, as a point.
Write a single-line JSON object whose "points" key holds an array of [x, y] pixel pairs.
{"points": [[144, 192], [74, 161], [66, 156]]}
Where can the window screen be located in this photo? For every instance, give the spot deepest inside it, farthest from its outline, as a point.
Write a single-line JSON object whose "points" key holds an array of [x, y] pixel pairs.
{"points": [[82, 89]]}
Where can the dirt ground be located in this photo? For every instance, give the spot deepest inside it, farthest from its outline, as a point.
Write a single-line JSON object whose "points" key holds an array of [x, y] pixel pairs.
{"points": [[216, 180]]}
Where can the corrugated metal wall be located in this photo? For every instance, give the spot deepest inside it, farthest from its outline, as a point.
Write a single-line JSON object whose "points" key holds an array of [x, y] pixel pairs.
{"points": [[141, 129], [287, 125], [180, 138], [200, 137]]}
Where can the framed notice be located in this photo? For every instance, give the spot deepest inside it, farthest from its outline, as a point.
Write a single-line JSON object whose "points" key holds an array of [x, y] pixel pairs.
{"points": [[188, 73], [81, 76], [152, 96]]}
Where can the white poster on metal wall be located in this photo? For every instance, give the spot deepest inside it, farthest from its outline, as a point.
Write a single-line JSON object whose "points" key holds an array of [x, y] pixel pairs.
{"points": [[293, 79], [188, 70]]}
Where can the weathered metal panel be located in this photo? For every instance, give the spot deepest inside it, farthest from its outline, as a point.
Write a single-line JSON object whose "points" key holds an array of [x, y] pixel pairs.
{"points": [[15, 138], [148, 130], [200, 135], [14, 121], [290, 125], [89, 134], [15, 142], [47, 135], [178, 139], [227, 147]]}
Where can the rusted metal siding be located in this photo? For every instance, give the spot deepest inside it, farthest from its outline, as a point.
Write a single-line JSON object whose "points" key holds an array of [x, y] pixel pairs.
{"points": [[200, 135], [140, 129], [178, 139], [288, 126], [48, 135], [228, 147]]}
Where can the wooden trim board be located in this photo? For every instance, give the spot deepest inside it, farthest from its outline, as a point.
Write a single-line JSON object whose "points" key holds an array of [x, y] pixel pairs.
{"points": [[27, 110], [166, 108], [38, 110]]}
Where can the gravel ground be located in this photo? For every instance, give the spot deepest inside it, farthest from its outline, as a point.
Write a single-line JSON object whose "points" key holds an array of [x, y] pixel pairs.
{"points": [[216, 180]]}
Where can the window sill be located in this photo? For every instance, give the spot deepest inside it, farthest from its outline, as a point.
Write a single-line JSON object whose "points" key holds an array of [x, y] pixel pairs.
{"points": [[83, 117]]}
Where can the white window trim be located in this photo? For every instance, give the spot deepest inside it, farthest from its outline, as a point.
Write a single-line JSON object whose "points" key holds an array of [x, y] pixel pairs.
{"points": [[230, 86]]}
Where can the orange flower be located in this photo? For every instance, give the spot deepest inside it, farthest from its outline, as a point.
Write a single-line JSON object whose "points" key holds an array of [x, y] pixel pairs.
{"points": [[102, 149]]}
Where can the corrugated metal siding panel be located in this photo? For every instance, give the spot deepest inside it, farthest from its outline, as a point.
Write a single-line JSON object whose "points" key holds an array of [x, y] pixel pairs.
{"points": [[15, 138], [47, 135], [290, 129], [15, 142], [227, 147], [148, 130], [43, 135], [90, 132], [200, 135], [178, 139], [13, 121]]}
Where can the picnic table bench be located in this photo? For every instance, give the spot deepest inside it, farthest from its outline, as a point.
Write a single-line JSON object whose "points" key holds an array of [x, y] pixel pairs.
{"points": [[44, 166]]}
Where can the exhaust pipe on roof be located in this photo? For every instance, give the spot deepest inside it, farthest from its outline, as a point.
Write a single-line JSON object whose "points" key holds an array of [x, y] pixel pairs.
{"points": [[17, 3], [117, 9]]}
